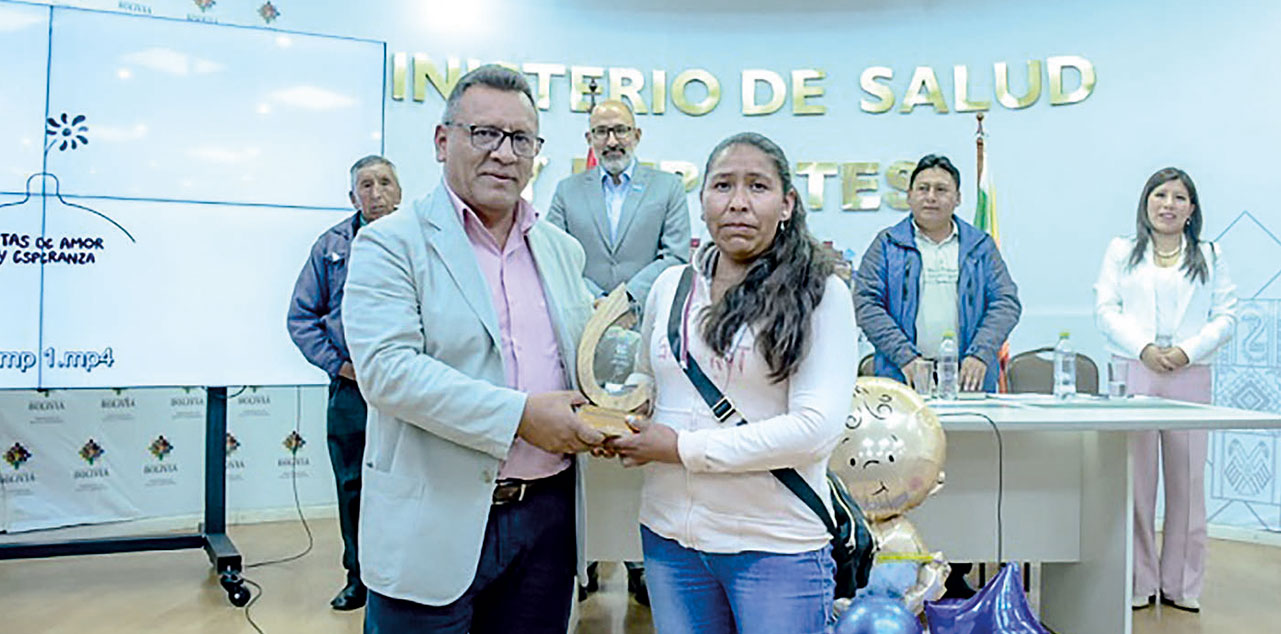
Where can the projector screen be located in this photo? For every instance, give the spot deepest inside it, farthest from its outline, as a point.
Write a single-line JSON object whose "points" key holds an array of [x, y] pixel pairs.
{"points": [[161, 183]]}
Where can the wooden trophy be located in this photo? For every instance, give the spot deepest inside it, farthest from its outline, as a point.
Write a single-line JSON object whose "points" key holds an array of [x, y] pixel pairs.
{"points": [[607, 381]]}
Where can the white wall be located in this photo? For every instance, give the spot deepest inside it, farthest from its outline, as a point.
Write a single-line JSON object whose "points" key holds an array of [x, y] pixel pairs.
{"points": [[1178, 83]]}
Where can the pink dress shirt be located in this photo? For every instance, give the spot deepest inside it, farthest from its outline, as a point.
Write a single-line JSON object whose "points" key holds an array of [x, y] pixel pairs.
{"points": [[531, 355]]}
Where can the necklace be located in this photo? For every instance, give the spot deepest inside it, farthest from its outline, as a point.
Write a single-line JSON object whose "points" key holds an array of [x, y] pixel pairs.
{"points": [[1171, 253]]}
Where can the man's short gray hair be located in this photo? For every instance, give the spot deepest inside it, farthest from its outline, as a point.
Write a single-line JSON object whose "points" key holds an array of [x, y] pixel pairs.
{"points": [[494, 76], [372, 159]]}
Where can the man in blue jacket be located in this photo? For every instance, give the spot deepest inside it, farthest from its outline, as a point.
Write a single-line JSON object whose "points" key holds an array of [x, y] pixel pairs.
{"points": [[930, 274], [315, 325]]}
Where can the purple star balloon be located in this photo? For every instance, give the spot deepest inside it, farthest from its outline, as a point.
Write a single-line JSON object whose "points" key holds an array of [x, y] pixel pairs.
{"points": [[999, 608]]}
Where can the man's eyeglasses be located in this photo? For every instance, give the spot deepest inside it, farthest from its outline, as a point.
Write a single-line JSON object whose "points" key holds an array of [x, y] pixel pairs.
{"points": [[601, 133], [489, 139]]}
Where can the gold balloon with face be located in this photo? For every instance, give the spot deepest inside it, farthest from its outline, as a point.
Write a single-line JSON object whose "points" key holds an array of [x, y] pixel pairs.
{"points": [[892, 454]]}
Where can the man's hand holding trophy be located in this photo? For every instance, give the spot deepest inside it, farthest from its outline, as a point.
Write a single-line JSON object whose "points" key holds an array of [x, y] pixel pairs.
{"points": [[607, 357]]}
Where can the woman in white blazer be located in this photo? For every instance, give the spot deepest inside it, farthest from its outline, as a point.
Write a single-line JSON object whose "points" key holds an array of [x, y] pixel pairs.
{"points": [[1165, 303], [728, 548]]}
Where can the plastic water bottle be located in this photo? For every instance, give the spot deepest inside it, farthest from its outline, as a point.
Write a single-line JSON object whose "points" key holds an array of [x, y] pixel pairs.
{"points": [[948, 367], [1064, 367]]}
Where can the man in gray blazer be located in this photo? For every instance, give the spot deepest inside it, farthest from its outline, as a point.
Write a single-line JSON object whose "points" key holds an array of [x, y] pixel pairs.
{"points": [[315, 325], [632, 220], [463, 316]]}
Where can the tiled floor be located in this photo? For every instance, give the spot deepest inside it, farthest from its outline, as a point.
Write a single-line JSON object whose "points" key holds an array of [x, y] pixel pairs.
{"points": [[174, 592]]}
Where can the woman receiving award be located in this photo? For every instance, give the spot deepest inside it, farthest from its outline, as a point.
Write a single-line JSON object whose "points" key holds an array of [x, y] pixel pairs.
{"points": [[753, 353]]}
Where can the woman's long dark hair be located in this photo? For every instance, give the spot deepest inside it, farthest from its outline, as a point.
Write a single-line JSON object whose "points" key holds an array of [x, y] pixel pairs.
{"points": [[1194, 266], [782, 286]]}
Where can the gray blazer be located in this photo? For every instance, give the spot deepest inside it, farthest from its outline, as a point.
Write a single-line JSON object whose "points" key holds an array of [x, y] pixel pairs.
{"points": [[653, 229], [425, 341]]}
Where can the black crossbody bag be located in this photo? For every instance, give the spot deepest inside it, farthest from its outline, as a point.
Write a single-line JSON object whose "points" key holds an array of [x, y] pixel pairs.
{"points": [[853, 547]]}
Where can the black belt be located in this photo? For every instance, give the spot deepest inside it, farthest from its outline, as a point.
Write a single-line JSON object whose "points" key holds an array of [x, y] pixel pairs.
{"points": [[511, 491]]}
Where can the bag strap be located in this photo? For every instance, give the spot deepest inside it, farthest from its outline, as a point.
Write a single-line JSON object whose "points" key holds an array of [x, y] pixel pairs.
{"points": [[797, 485], [723, 409]]}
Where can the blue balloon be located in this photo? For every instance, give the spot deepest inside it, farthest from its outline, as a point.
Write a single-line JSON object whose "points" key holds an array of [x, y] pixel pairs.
{"points": [[878, 615], [999, 608]]}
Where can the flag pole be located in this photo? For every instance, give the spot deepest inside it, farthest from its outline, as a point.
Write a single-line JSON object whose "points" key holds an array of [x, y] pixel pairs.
{"points": [[978, 141], [593, 89], [989, 225]]}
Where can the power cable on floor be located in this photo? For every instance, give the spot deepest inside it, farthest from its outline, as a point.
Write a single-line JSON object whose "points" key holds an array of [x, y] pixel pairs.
{"points": [[1000, 475], [252, 601], [311, 541]]}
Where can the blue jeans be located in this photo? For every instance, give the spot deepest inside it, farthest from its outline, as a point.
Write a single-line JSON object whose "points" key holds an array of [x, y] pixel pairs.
{"points": [[753, 592], [524, 581]]}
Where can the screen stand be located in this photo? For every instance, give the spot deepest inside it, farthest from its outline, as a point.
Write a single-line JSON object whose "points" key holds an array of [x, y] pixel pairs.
{"points": [[211, 534]]}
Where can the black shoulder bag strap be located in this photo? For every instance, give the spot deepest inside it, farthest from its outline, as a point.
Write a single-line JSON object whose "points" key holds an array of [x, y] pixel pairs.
{"points": [[724, 410]]}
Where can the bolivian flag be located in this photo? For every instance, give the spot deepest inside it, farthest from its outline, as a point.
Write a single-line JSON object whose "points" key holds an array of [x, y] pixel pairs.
{"points": [[985, 220]]}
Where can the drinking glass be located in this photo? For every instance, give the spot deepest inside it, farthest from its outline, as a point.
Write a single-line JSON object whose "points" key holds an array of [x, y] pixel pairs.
{"points": [[923, 379], [1118, 376]]}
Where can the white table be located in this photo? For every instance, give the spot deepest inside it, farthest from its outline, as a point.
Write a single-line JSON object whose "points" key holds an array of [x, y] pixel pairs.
{"points": [[1066, 503]]}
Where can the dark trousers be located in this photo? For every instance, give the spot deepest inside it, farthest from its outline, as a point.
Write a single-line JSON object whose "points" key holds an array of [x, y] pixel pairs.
{"points": [[524, 581], [345, 420]]}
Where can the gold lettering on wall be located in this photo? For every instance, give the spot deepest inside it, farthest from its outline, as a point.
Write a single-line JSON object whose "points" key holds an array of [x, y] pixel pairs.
{"points": [[1033, 85], [626, 83], [885, 96], [685, 169], [816, 174], [961, 88], [1071, 78], [860, 187], [896, 176], [425, 71], [543, 83], [579, 78], [857, 178], [923, 79], [658, 104], [399, 66], [1082, 66], [802, 91], [777, 89], [682, 82]]}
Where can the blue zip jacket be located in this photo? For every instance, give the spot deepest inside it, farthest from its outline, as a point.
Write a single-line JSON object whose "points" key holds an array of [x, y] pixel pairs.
{"points": [[315, 310], [887, 296]]}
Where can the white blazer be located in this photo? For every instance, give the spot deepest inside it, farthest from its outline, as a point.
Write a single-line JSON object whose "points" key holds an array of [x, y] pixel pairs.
{"points": [[425, 341], [1125, 303]]}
